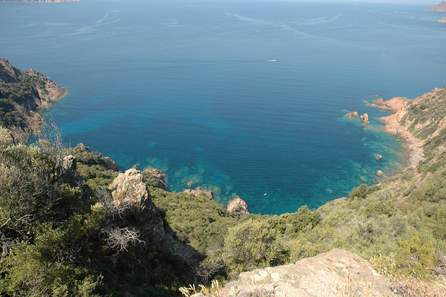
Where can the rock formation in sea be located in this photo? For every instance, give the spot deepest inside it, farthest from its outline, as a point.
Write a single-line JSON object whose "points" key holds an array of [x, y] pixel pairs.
{"points": [[352, 115], [378, 157], [365, 118]]}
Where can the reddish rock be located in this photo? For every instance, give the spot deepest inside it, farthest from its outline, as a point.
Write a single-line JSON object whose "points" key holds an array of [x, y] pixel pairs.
{"points": [[237, 206]]}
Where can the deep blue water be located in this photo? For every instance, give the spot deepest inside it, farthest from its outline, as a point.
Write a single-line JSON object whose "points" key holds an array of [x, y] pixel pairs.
{"points": [[243, 97]]}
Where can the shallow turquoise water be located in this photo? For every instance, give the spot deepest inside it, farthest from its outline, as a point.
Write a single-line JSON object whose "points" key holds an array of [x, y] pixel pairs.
{"points": [[244, 98]]}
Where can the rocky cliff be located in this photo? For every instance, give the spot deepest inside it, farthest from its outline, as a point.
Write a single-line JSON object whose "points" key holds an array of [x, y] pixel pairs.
{"points": [[22, 94]]}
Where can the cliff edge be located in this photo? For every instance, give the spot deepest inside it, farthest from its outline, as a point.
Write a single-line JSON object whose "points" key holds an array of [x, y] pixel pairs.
{"points": [[22, 94]]}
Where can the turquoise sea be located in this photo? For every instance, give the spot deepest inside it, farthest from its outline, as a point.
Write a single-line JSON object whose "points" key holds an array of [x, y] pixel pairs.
{"points": [[243, 97]]}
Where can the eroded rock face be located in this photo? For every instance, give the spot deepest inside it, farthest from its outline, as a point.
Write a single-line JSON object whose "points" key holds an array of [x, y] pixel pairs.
{"points": [[128, 188], [200, 192], [237, 206], [155, 178], [337, 273]]}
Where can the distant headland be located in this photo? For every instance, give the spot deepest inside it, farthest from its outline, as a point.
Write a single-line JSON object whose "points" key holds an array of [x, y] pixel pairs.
{"points": [[39, 1], [440, 7]]}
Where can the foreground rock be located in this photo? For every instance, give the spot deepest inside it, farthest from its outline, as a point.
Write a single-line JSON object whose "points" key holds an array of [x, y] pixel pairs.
{"points": [[337, 273], [237, 206], [128, 188]]}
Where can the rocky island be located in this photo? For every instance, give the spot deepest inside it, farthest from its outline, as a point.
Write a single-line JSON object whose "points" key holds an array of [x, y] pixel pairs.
{"points": [[72, 223]]}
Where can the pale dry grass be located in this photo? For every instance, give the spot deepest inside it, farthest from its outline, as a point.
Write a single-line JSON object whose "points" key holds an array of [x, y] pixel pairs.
{"points": [[412, 287]]}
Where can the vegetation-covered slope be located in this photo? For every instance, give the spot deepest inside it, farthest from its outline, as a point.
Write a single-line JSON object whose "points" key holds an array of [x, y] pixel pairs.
{"points": [[64, 230]]}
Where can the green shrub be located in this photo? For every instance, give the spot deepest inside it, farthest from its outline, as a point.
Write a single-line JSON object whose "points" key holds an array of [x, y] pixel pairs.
{"points": [[251, 244]]}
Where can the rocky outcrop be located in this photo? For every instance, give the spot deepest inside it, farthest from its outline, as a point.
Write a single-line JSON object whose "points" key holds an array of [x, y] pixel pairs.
{"points": [[88, 157], [378, 157], [337, 273], [365, 118], [128, 188], [155, 178], [352, 115], [200, 192], [237, 206]]}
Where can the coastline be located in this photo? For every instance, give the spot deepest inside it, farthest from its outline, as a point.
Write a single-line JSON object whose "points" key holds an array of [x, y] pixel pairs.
{"points": [[392, 124]]}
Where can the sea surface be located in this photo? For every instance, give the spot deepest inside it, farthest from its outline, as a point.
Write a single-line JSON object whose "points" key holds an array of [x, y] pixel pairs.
{"points": [[242, 97]]}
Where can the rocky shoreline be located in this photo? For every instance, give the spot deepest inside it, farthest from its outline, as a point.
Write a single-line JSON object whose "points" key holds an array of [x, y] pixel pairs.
{"points": [[397, 106]]}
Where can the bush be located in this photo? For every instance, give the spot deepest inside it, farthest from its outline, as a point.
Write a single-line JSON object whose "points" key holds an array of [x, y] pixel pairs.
{"points": [[253, 244]]}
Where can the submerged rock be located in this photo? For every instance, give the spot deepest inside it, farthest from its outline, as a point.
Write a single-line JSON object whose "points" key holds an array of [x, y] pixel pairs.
{"points": [[352, 115], [333, 274], [237, 206], [379, 173], [378, 157], [200, 192], [128, 188]]}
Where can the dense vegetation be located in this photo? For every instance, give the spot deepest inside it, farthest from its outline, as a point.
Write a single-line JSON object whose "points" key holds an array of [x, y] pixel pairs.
{"points": [[60, 235]]}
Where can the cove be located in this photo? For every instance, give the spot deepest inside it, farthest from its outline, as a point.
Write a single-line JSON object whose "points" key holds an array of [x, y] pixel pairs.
{"points": [[242, 98]]}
